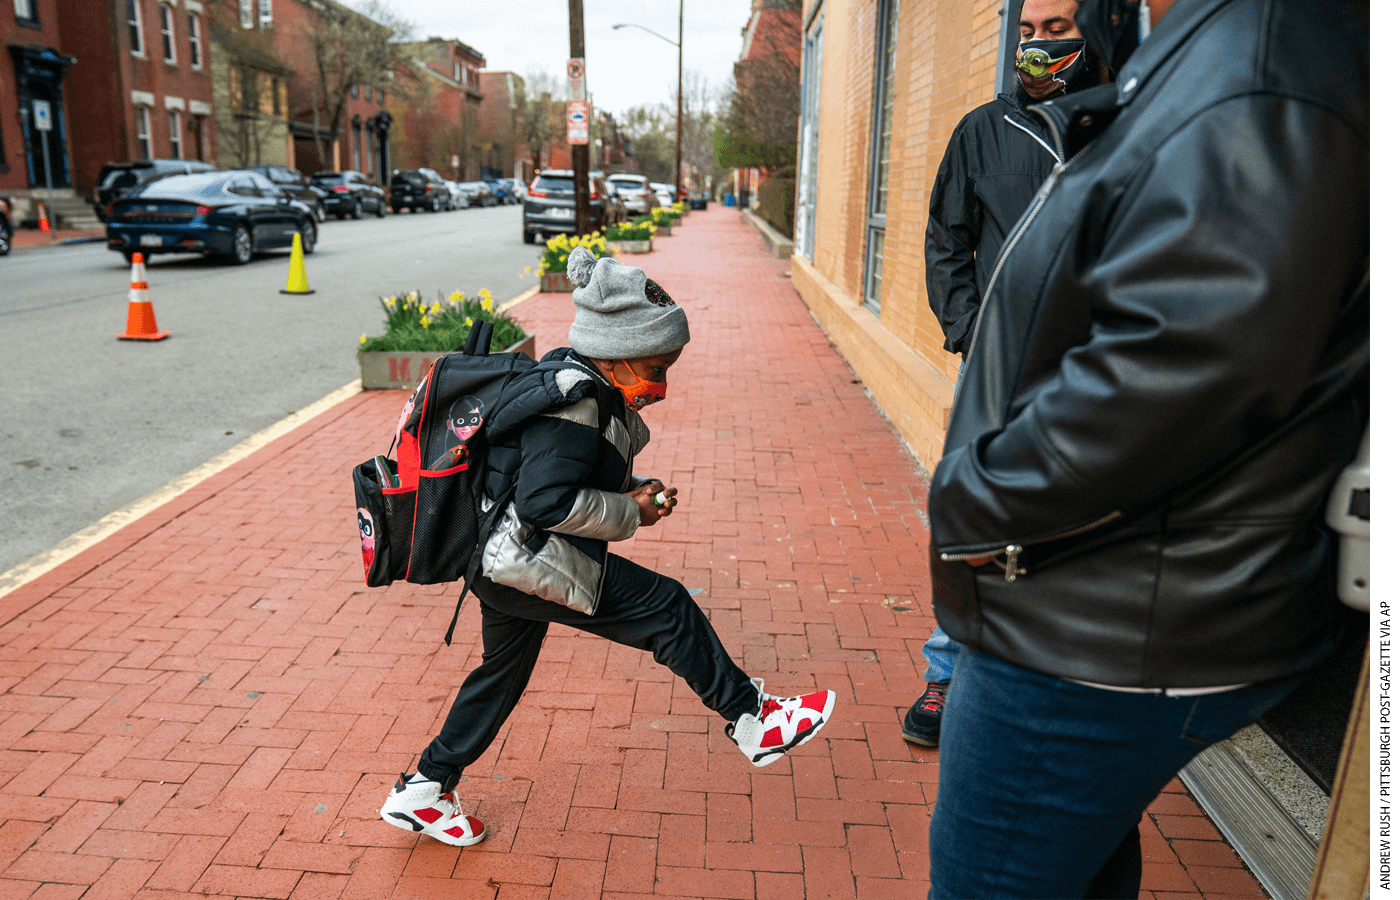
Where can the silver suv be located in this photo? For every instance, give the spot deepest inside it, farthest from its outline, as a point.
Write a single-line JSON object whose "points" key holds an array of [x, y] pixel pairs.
{"points": [[634, 192]]}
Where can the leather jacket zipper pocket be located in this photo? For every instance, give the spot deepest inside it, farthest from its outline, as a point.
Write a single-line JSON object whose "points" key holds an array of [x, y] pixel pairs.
{"points": [[1011, 553]]}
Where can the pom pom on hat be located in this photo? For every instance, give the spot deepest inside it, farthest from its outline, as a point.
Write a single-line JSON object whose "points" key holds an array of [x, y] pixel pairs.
{"points": [[580, 267]]}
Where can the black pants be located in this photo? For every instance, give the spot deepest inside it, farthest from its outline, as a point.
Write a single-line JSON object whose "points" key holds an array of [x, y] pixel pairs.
{"points": [[639, 608]]}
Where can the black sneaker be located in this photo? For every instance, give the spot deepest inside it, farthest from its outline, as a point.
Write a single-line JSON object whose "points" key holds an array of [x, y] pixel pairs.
{"points": [[922, 721]]}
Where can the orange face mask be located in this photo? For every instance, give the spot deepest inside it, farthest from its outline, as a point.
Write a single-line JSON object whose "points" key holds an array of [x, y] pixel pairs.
{"points": [[643, 393]]}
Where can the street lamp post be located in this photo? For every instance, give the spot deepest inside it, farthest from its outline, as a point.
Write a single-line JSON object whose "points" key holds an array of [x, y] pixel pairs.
{"points": [[680, 79]]}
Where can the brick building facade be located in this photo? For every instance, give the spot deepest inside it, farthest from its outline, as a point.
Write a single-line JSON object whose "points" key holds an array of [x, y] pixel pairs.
{"points": [[439, 125], [37, 68], [141, 91], [879, 105]]}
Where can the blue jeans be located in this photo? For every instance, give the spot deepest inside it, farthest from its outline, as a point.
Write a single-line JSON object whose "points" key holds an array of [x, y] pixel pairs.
{"points": [[942, 655], [1042, 779]]}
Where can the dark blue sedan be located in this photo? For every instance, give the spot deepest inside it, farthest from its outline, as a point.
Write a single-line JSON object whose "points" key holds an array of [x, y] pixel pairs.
{"points": [[229, 214]]}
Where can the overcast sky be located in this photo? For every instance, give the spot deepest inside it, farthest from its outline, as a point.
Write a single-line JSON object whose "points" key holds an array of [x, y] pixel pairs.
{"points": [[626, 67]]}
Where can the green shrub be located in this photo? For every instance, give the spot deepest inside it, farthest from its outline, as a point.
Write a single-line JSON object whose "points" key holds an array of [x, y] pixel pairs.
{"points": [[635, 230], [440, 327]]}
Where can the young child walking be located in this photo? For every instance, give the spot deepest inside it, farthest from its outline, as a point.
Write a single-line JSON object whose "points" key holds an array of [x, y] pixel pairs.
{"points": [[566, 438]]}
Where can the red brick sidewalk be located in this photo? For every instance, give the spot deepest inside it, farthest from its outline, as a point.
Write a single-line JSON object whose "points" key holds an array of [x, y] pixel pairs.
{"points": [[28, 238], [211, 703]]}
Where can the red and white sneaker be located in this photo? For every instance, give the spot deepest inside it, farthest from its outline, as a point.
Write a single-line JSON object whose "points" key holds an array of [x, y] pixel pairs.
{"points": [[781, 724], [417, 804]]}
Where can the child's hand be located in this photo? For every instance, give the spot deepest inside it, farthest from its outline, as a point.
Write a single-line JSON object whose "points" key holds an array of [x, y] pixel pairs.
{"points": [[646, 497]]}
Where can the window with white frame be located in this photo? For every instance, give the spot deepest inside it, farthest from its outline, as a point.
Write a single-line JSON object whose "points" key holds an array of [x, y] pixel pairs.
{"points": [[143, 132], [804, 234], [882, 123], [133, 26], [176, 151], [264, 13], [27, 11], [196, 57], [167, 31]]}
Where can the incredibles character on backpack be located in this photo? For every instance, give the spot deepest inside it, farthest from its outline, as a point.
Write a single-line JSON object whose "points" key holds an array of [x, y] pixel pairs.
{"points": [[562, 441]]}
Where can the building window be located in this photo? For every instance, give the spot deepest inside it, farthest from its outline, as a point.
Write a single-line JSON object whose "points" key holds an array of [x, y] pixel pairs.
{"points": [[143, 132], [245, 13], [167, 32], [355, 91], [197, 129], [264, 13], [276, 97], [133, 25], [176, 151], [27, 11], [380, 92], [196, 58], [355, 149], [881, 126], [369, 159], [804, 234]]}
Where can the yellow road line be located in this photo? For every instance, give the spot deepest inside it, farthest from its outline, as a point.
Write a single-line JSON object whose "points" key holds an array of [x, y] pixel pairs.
{"points": [[109, 524]]}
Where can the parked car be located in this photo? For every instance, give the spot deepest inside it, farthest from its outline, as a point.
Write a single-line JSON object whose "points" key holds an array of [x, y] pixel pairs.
{"points": [[634, 192], [457, 196], [665, 196], [349, 193], [616, 210], [549, 205], [297, 185], [481, 193], [115, 179], [516, 187], [7, 230], [501, 189], [232, 214], [418, 189]]}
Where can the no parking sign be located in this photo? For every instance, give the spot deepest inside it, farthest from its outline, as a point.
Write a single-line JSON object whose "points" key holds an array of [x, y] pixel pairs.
{"points": [[578, 121]]}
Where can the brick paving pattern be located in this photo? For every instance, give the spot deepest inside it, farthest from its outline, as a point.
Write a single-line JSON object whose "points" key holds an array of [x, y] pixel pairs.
{"points": [[211, 702]]}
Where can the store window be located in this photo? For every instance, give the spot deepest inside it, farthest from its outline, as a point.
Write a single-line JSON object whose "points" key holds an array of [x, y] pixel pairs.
{"points": [[881, 126], [176, 150], [167, 32], [133, 26], [143, 132], [804, 237], [196, 57]]}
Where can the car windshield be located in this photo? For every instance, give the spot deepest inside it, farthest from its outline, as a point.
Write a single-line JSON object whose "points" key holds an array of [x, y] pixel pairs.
{"points": [[628, 184], [554, 183], [181, 185]]}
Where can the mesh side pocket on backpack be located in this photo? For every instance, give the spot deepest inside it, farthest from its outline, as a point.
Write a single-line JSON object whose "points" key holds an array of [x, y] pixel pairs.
{"points": [[445, 529], [385, 521]]}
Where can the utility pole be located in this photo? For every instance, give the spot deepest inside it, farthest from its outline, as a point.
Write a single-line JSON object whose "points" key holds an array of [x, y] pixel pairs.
{"points": [[583, 213], [680, 91]]}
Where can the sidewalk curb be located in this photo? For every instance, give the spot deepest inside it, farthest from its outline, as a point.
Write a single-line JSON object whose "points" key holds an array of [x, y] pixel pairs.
{"points": [[45, 562]]}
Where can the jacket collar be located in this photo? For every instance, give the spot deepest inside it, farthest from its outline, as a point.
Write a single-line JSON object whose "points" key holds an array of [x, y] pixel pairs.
{"points": [[1180, 22]]}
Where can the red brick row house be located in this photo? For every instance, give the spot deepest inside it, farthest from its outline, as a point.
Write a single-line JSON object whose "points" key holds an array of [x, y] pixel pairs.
{"points": [[439, 122]]}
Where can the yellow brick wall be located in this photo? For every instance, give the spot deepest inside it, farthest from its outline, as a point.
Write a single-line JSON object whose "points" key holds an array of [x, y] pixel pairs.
{"points": [[945, 65]]}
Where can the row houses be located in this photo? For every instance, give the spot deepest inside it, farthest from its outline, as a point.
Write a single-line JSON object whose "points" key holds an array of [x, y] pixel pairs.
{"points": [[232, 83]]}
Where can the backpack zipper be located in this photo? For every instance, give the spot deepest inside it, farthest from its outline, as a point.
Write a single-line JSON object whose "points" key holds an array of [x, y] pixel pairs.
{"points": [[1013, 552]]}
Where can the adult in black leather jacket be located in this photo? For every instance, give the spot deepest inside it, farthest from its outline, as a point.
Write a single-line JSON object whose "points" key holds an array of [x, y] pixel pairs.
{"points": [[1168, 375]]}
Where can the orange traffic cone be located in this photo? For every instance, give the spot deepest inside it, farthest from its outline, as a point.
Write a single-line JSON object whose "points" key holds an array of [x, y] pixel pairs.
{"points": [[43, 218], [140, 315]]}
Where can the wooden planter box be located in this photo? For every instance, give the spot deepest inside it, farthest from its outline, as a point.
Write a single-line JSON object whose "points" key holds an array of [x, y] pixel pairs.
{"points": [[393, 370], [555, 283], [632, 246]]}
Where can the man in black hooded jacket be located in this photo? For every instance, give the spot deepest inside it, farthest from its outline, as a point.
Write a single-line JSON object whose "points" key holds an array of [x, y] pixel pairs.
{"points": [[997, 158]]}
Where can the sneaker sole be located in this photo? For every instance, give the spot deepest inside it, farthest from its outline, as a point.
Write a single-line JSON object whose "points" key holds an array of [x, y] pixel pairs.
{"points": [[915, 739], [408, 823]]}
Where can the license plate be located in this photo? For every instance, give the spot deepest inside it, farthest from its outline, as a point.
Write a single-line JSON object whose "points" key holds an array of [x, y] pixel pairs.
{"points": [[152, 240], [555, 212]]}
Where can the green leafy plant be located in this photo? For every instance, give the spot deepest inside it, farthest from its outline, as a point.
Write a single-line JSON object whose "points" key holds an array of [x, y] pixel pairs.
{"points": [[664, 216], [635, 230], [413, 325], [558, 248]]}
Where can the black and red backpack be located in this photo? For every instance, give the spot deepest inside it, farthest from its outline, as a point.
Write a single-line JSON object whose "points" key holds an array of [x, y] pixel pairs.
{"points": [[421, 516]]}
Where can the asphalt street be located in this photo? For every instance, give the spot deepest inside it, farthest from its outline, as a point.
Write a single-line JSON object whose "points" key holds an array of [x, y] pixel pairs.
{"points": [[91, 424]]}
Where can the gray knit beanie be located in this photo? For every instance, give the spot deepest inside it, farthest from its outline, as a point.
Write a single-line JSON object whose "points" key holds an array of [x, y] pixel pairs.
{"points": [[620, 313]]}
